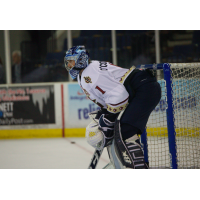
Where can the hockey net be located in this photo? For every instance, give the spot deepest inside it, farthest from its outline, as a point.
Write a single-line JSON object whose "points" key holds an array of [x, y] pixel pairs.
{"points": [[186, 104]]}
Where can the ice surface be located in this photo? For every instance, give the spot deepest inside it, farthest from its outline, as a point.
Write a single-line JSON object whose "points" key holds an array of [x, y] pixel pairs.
{"points": [[51, 153]]}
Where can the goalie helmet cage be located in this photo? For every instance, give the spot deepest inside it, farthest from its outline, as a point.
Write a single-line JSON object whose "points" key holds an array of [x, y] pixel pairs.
{"points": [[172, 136]]}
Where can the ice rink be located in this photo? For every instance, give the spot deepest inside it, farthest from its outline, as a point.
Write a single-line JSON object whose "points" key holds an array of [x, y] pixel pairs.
{"points": [[51, 153], [73, 153]]}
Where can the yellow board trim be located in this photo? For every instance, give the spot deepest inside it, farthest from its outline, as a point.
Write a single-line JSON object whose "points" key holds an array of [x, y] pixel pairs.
{"points": [[162, 132], [30, 133], [41, 133], [75, 132], [80, 132]]}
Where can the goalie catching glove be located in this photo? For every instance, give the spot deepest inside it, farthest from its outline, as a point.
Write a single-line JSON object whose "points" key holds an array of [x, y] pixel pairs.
{"points": [[100, 135]]}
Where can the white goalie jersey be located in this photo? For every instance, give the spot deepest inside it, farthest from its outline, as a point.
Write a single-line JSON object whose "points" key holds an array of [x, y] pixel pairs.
{"points": [[102, 82]]}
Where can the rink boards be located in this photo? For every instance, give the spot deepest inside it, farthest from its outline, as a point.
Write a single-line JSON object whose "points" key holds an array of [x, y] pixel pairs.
{"points": [[43, 110], [61, 110]]}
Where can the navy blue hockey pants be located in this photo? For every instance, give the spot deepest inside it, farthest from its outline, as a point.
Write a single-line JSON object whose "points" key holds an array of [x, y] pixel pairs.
{"points": [[137, 113]]}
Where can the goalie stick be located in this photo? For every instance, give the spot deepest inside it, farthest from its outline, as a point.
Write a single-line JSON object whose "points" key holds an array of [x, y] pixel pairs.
{"points": [[95, 159], [97, 154]]}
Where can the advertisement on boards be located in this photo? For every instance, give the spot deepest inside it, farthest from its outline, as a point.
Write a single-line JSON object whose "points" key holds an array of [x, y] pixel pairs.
{"points": [[27, 105], [184, 103], [78, 107]]}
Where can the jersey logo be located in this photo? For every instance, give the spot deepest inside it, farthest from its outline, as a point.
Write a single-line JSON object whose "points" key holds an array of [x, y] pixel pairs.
{"points": [[87, 79]]}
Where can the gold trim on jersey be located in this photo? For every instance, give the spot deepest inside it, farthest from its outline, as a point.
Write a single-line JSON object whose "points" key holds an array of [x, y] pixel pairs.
{"points": [[123, 78], [116, 109]]}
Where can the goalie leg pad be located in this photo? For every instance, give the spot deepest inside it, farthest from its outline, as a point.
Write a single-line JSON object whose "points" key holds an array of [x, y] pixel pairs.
{"points": [[114, 158], [129, 151], [134, 147]]}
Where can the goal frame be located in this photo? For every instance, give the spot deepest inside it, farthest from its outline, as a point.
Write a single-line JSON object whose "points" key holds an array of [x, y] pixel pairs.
{"points": [[166, 67]]}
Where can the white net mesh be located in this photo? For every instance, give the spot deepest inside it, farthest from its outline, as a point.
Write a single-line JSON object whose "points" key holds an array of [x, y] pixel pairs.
{"points": [[186, 103]]}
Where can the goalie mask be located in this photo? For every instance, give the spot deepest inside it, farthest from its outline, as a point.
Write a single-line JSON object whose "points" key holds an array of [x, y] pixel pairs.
{"points": [[81, 58]]}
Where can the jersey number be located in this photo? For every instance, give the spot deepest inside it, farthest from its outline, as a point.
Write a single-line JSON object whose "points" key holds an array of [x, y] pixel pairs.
{"points": [[103, 65], [98, 88]]}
